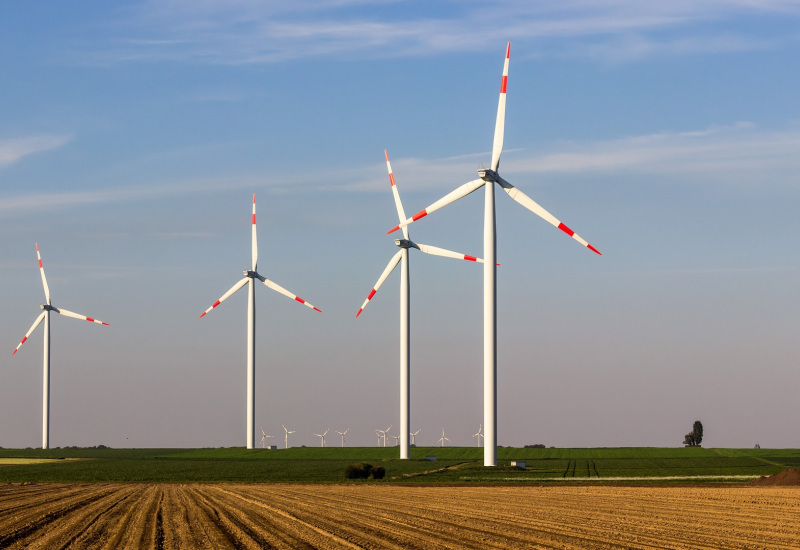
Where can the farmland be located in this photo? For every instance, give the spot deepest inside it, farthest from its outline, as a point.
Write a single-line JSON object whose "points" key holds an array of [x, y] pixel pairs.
{"points": [[453, 464], [295, 498], [210, 515]]}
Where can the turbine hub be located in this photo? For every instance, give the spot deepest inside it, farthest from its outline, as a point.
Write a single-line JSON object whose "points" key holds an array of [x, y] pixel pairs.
{"points": [[250, 274], [488, 175], [47, 307]]}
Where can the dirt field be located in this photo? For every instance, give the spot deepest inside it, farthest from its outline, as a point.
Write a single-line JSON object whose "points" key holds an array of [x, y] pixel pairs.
{"points": [[216, 516]]}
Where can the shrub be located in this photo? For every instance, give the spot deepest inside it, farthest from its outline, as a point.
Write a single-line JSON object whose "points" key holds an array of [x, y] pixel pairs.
{"points": [[378, 472], [358, 471]]}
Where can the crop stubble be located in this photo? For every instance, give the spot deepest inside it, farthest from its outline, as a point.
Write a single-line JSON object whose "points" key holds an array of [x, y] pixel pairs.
{"points": [[243, 516]]}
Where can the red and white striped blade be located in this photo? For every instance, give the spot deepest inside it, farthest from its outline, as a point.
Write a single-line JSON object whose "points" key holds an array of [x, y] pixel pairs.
{"points": [[279, 288], [534, 207], [35, 324], [74, 315], [255, 237], [453, 196], [436, 251], [44, 279], [499, 127], [401, 214], [389, 268], [225, 296]]}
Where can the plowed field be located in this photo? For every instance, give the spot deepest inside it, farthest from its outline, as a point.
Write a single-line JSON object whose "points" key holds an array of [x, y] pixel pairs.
{"points": [[174, 516]]}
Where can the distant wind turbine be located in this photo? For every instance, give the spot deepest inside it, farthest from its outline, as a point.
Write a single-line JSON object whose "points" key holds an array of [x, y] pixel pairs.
{"points": [[264, 437], [396, 438], [443, 438], [249, 279], [322, 437], [490, 177], [402, 258], [382, 434], [413, 435], [45, 316], [286, 436], [343, 434], [479, 435]]}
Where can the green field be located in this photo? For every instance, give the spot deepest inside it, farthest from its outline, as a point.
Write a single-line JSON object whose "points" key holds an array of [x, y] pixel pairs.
{"points": [[453, 464]]}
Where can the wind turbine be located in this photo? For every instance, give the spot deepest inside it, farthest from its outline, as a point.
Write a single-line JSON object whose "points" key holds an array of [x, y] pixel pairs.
{"points": [[249, 279], [443, 438], [479, 435], [343, 434], [264, 437], [382, 434], [322, 436], [487, 179], [286, 436], [413, 435], [401, 257], [396, 438], [45, 316]]}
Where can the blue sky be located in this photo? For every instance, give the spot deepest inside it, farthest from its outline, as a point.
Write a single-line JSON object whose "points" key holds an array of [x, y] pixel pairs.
{"points": [[134, 134]]}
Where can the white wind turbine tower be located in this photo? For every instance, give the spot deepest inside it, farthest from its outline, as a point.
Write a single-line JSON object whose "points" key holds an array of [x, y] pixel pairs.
{"points": [[249, 279], [343, 434], [479, 435], [401, 257], [264, 437], [413, 435], [286, 436], [490, 177], [45, 316], [322, 436], [443, 438]]}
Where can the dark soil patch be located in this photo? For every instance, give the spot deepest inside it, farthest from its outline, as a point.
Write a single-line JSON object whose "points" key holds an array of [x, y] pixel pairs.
{"points": [[790, 476]]}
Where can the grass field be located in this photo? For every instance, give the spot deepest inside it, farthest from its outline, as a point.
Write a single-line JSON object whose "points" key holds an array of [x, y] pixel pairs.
{"points": [[453, 464]]}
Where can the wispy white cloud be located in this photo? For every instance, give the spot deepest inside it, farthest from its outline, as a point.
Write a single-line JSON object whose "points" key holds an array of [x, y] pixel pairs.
{"points": [[740, 154], [13, 150], [737, 153], [255, 32]]}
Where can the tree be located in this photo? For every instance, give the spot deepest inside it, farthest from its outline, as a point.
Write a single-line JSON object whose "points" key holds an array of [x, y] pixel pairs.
{"points": [[697, 432], [693, 438]]}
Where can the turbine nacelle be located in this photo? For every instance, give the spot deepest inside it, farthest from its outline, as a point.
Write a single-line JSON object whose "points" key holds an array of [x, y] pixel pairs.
{"points": [[488, 175], [251, 274], [48, 307], [406, 243]]}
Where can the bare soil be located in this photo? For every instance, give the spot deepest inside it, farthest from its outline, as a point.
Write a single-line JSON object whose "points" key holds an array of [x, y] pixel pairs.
{"points": [[788, 477], [241, 516]]}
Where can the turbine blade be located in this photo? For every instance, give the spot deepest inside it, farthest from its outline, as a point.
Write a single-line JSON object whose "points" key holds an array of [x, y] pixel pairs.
{"points": [[44, 279], [436, 251], [255, 237], [401, 214], [278, 288], [389, 268], [74, 315], [225, 296], [499, 127], [452, 196], [35, 324], [534, 207]]}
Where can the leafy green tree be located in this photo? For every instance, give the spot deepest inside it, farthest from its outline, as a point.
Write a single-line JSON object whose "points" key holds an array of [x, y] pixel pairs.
{"points": [[697, 432], [693, 438]]}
